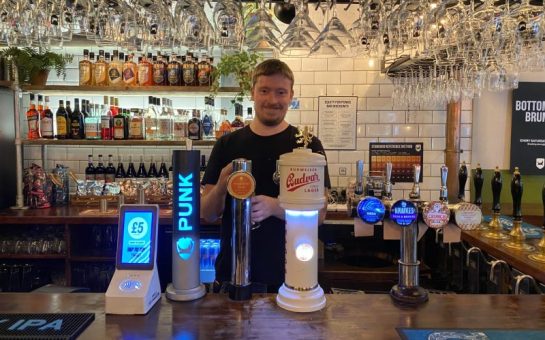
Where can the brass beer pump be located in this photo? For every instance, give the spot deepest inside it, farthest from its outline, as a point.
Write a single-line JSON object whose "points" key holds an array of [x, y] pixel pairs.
{"points": [[539, 256], [516, 234], [494, 230], [478, 180], [462, 179]]}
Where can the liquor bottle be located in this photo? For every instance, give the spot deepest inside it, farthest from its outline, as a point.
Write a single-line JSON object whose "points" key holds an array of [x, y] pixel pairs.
{"points": [[101, 70], [85, 75], [188, 69], [100, 170], [224, 126], [152, 172], [120, 125], [129, 71], [158, 71], [181, 61], [106, 121], [179, 125], [40, 108], [92, 64], [207, 120], [145, 71], [163, 172], [131, 171], [141, 169], [62, 121], [120, 172], [237, 123], [173, 71], [115, 70], [76, 122], [110, 170], [249, 117], [92, 122], [150, 120], [194, 126], [90, 169], [46, 123], [165, 122], [33, 119], [136, 125], [203, 73]]}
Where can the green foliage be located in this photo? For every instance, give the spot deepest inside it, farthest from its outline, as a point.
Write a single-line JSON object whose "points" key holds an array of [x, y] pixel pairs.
{"points": [[30, 61], [240, 64]]}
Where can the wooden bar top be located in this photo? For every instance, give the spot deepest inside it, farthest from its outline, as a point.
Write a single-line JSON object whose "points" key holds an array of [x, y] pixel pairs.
{"points": [[344, 317]]}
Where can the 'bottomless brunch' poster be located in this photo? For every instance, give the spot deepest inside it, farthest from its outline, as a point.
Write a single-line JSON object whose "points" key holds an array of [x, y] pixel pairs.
{"points": [[528, 129]]}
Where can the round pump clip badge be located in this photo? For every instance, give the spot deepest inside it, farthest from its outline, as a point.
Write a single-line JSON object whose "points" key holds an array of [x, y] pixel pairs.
{"points": [[403, 213], [436, 214], [468, 216], [371, 210], [241, 185]]}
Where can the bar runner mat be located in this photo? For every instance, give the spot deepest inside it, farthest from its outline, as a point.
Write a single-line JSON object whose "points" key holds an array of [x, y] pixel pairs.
{"points": [[44, 326], [530, 231], [469, 334]]}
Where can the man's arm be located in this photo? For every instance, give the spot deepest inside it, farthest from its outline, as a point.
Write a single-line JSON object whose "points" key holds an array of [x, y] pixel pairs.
{"points": [[213, 196]]}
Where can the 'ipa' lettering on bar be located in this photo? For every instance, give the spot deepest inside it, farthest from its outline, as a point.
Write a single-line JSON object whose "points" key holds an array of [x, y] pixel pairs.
{"points": [[185, 201]]}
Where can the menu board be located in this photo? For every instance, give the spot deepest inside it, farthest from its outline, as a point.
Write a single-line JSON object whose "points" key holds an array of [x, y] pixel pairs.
{"points": [[337, 122], [527, 131], [402, 156]]}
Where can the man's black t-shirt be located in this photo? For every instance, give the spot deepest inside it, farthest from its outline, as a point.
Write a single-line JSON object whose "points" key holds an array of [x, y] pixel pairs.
{"points": [[267, 260]]}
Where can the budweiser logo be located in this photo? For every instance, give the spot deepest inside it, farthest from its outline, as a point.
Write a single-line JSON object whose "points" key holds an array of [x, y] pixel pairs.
{"points": [[293, 183]]}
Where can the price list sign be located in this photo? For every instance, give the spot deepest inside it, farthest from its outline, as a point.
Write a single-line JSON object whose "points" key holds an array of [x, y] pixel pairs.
{"points": [[336, 122], [403, 157]]}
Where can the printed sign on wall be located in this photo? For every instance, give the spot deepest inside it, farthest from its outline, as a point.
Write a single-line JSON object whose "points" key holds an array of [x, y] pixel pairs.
{"points": [[528, 129], [337, 122], [402, 156]]}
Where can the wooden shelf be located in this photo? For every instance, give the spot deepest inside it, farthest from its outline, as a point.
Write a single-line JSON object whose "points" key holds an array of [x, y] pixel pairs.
{"points": [[128, 142], [32, 256], [91, 259], [176, 91], [6, 83]]}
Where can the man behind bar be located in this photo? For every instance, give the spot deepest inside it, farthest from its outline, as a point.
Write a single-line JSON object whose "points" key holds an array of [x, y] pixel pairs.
{"points": [[263, 141]]}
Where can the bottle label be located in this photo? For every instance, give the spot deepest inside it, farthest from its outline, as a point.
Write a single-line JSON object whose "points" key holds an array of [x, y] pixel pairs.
{"points": [[143, 74], [105, 122], [204, 76], [193, 129], [74, 124], [100, 74], [84, 74], [128, 75], [135, 129], [33, 123], [158, 73], [173, 76], [207, 125], [115, 75], [61, 125], [189, 75], [119, 128], [91, 129], [179, 130], [164, 127], [47, 127]]}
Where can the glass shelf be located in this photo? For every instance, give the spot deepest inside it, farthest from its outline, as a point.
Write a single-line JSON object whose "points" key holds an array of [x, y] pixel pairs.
{"points": [[173, 91], [124, 142]]}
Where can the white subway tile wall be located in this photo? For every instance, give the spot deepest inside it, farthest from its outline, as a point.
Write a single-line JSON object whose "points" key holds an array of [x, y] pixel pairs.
{"points": [[377, 120]]}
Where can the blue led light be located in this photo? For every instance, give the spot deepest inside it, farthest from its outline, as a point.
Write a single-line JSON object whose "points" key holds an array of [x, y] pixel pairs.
{"points": [[185, 201], [371, 210], [185, 247], [298, 213], [404, 213]]}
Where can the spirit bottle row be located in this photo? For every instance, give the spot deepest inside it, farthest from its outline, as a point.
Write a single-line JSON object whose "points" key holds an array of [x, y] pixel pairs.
{"points": [[110, 173], [119, 69], [107, 121]]}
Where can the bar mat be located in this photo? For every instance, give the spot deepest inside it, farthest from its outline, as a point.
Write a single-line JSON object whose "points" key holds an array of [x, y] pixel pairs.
{"points": [[469, 334], [531, 231], [44, 326]]}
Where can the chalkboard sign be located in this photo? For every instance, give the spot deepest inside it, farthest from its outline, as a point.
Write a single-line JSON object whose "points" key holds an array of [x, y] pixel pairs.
{"points": [[528, 129]]}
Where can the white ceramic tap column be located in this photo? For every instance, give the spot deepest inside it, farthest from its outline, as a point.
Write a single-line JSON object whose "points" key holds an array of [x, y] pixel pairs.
{"points": [[302, 196]]}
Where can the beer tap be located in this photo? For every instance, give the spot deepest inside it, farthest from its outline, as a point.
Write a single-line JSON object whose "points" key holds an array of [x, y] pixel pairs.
{"points": [[462, 179], [494, 230], [443, 192], [354, 198], [414, 195], [478, 180], [358, 189], [539, 256], [516, 234], [387, 191]]}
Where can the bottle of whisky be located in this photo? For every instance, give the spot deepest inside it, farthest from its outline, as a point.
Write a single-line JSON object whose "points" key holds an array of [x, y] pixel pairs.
{"points": [[62, 121], [136, 125], [194, 126], [33, 119], [46, 123], [188, 69], [158, 71], [101, 70], [145, 71], [225, 125], [92, 64], [115, 70], [85, 75], [173, 71], [238, 122], [77, 122], [129, 71], [204, 71]]}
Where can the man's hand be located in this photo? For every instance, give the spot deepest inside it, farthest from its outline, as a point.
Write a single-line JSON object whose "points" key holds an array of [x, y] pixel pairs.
{"points": [[264, 207]]}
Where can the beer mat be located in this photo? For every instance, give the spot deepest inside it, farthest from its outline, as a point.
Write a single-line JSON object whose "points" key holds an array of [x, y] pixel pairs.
{"points": [[469, 334], [362, 229], [531, 231], [44, 326]]}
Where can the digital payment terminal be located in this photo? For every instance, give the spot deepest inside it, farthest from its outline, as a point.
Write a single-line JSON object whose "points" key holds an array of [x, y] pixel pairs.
{"points": [[135, 287]]}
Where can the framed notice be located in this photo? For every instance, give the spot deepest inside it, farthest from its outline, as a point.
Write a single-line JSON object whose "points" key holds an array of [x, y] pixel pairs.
{"points": [[337, 122], [528, 129], [402, 156]]}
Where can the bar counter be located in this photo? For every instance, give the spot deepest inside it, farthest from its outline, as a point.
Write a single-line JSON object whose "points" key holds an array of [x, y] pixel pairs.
{"points": [[344, 317]]}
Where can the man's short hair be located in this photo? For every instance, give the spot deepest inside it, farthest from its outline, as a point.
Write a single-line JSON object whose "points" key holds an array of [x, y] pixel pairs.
{"points": [[272, 67]]}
